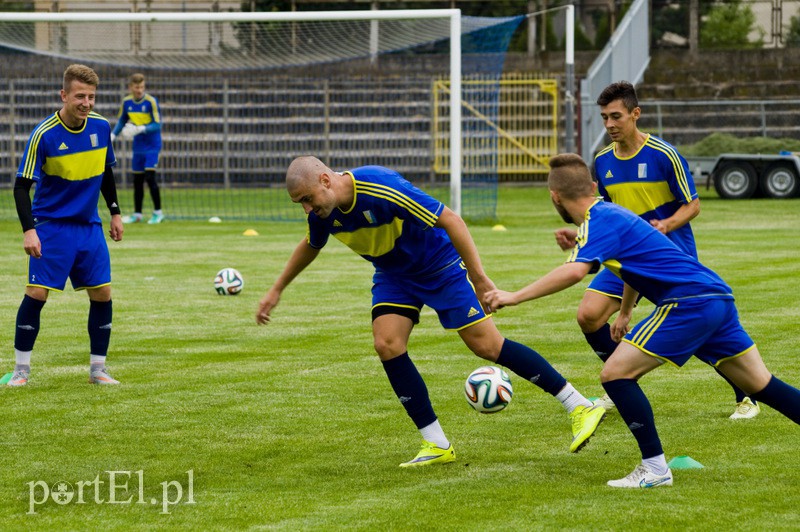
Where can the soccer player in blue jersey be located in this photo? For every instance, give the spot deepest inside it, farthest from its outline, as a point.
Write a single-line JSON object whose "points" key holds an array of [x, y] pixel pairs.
{"points": [[139, 118], [423, 254], [69, 157], [648, 176], [695, 313]]}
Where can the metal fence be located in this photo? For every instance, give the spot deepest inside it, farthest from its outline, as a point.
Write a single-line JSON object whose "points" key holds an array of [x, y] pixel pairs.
{"points": [[688, 122]]}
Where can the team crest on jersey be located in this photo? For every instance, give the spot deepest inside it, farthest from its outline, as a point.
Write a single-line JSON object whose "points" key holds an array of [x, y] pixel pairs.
{"points": [[642, 170], [369, 216], [609, 175], [93, 139]]}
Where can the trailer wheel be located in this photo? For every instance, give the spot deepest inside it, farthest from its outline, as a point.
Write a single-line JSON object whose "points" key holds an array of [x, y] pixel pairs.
{"points": [[780, 181], [735, 180]]}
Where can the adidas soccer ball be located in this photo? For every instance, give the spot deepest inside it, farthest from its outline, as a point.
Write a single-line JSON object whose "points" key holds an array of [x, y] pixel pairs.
{"points": [[488, 389], [228, 282]]}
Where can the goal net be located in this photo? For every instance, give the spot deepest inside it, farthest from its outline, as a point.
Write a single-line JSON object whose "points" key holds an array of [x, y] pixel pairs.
{"points": [[242, 94]]}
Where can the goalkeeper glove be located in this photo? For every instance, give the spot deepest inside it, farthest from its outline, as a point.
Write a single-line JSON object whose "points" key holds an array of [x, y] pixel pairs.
{"points": [[113, 136], [137, 130]]}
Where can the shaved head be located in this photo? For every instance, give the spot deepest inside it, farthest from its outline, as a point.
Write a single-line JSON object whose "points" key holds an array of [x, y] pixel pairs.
{"points": [[570, 177], [304, 169]]}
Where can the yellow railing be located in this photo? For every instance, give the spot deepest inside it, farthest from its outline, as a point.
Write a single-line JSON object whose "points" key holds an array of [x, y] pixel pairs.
{"points": [[512, 133]]}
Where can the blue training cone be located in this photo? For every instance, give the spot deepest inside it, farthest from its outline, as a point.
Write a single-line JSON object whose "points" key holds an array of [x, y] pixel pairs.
{"points": [[684, 462], [5, 378]]}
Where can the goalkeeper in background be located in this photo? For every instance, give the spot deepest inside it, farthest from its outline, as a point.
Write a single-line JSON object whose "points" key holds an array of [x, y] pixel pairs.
{"points": [[139, 118]]}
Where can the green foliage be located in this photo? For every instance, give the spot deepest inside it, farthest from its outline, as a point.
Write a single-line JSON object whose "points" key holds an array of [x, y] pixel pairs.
{"points": [[728, 25], [293, 426], [718, 143], [792, 38], [11, 5]]}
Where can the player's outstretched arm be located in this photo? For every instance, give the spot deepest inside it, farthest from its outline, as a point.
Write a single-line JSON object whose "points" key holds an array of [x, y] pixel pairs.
{"points": [[557, 280], [302, 256]]}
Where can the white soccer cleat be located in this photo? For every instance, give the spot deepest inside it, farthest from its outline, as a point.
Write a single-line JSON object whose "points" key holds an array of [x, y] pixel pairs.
{"points": [[101, 376], [642, 477], [746, 409]]}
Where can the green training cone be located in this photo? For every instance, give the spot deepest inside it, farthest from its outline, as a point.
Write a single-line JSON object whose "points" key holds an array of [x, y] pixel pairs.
{"points": [[684, 462], [5, 378]]}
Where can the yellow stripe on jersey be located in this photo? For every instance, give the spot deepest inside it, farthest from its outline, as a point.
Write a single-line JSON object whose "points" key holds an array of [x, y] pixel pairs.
{"points": [[649, 328], [373, 241], [36, 136], [139, 119], [614, 265], [77, 166], [642, 198], [677, 167], [154, 105], [605, 150], [391, 194]]}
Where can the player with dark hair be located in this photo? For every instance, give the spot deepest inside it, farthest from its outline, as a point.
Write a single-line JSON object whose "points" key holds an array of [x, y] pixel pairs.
{"points": [[695, 313], [139, 117], [69, 156], [423, 254], [649, 177]]}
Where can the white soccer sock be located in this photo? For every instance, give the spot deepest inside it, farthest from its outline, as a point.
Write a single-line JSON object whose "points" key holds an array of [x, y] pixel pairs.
{"points": [[23, 358], [434, 434], [656, 464], [97, 361], [571, 398]]}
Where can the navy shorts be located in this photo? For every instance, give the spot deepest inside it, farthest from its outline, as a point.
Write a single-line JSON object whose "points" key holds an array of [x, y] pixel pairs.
{"points": [[75, 250], [707, 328], [449, 292], [606, 283]]}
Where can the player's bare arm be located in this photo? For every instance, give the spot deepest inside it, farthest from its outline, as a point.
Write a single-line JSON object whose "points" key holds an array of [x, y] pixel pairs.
{"points": [[565, 238], [558, 279], [619, 327], [462, 240], [685, 214], [302, 256]]}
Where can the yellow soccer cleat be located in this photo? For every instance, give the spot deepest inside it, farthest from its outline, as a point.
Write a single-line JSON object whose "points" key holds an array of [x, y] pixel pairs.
{"points": [[431, 454], [747, 409], [585, 420]]}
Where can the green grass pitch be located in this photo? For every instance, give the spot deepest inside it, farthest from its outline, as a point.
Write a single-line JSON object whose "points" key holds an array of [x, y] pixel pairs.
{"points": [[294, 426]]}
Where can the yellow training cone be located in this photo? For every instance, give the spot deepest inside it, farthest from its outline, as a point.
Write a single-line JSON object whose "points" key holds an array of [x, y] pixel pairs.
{"points": [[499, 227], [250, 232]]}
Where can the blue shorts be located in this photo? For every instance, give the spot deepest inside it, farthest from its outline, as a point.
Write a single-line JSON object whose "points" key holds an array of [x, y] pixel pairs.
{"points": [[449, 292], [144, 160], [75, 250], [606, 283], [707, 328]]}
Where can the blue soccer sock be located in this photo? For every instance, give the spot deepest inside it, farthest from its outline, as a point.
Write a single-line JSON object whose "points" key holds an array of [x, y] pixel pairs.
{"points": [[635, 410], [600, 340], [782, 397], [740, 395], [99, 327], [410, 389], [28, 321], [531, 366]]}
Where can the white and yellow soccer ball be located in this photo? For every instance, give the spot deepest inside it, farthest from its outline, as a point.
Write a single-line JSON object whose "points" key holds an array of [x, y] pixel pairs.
{"points": [[488, 389], [228, 282]]}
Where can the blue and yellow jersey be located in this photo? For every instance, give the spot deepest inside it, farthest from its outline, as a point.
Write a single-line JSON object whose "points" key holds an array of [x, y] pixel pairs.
{"points": [[67, 166], [643, 257], [653, 183], [390, 223], [145, 112]]}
